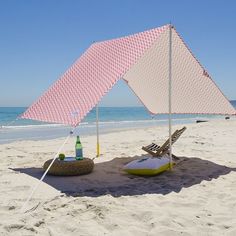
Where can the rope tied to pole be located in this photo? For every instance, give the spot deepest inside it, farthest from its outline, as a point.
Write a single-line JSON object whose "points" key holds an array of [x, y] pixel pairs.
{"points": [[23, 209]]}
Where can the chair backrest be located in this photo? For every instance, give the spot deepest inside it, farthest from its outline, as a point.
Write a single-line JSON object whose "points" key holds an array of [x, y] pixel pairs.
{"points": [[165, 147]]}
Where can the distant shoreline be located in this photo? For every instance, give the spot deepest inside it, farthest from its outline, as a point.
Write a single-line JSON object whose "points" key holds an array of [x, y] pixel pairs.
{"points": [[110, 119], [47, 132]]}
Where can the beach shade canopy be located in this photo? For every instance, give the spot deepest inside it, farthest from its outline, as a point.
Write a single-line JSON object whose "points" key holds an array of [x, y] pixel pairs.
{"points": [[142, 61]]}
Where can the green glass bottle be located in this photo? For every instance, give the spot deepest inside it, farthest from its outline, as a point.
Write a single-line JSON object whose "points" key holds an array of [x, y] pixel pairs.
{"points": [[78, 149]]}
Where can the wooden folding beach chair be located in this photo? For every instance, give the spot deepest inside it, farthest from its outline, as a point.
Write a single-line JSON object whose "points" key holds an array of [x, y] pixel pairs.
{"points": [[157, 151]]}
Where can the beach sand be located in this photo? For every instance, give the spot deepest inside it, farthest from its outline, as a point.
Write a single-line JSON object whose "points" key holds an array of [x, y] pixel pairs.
{"points": [[197, 198]]}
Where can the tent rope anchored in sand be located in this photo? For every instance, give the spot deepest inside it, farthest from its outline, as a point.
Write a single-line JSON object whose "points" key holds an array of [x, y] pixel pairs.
{"points": [[157, 66]]}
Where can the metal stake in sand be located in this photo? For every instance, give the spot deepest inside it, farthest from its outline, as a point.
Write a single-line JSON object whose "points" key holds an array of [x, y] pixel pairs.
{"points": [[98, 145], [170, 88], [45, 173]]}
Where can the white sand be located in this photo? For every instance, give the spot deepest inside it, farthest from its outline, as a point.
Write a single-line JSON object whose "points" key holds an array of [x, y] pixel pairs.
{"points": [[197, 198]]}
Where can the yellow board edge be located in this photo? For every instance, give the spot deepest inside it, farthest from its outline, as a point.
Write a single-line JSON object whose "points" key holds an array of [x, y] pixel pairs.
{"points": [[148, 171]]}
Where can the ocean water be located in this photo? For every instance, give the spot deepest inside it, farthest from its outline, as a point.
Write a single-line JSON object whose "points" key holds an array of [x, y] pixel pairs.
{"points": [[110, 119]]}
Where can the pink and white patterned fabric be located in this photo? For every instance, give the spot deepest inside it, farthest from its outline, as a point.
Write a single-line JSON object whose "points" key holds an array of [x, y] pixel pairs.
{"points": [[142, 61], [193, 91], [90, 78]]}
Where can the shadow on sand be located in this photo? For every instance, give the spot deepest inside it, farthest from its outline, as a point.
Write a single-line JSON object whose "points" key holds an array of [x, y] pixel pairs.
{"points": [[108, 178]]}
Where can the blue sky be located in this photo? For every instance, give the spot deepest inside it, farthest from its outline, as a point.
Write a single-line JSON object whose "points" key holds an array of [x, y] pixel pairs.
{"points": [[39, 40]]}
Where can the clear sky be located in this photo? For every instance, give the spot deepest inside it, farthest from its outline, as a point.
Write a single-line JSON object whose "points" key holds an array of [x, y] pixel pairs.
{"points": [[40, 39]]}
